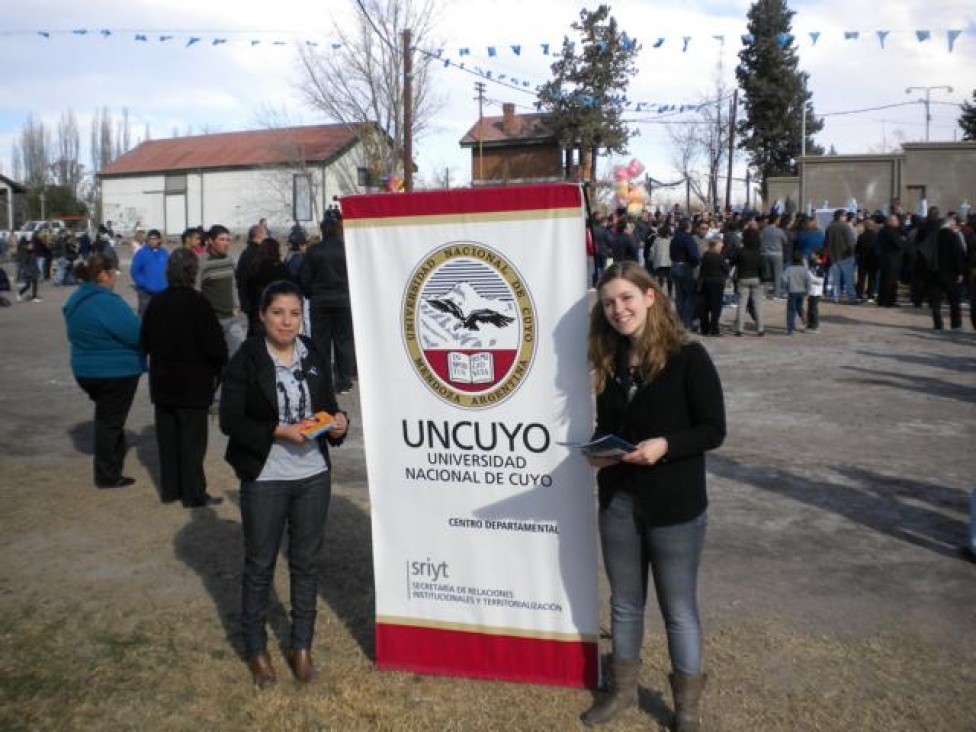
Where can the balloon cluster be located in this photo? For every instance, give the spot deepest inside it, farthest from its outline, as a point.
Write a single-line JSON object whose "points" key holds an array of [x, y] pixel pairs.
{"points": [[630, 193], [393, 184]]}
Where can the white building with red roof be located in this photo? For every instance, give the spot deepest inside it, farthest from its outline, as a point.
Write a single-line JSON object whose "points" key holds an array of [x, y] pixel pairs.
{"points": [[234, 178]]}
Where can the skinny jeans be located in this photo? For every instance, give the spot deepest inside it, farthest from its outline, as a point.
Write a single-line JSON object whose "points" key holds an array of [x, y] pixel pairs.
{"points": [[673, 554], [266, 508]]}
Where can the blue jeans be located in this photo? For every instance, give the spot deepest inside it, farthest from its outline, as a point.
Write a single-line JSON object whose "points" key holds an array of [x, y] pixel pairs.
{"points": [[794, 308], [673, 554], [842, 277], [266, 507]]}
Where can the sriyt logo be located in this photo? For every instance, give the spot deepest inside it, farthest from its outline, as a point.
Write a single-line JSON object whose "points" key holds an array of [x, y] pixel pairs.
{"points": [[469, 324]]}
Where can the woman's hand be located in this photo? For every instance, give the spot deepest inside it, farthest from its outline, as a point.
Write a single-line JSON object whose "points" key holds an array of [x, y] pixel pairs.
{"points": [[648, 452], [290, 432], [601, 462], [341, 425]]}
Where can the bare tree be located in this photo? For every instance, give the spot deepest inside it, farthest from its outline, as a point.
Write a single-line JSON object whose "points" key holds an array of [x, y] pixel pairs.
{"points": [[102, 149], [701, 145], [360, 83], [66, 164], [34, 152]]}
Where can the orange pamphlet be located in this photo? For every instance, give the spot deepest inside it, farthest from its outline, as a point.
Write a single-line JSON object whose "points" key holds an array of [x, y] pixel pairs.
{"points": [[321, 422]]}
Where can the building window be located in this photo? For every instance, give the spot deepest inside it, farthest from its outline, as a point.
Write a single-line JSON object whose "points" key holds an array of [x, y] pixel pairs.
{"points": [[175, 183], [302, 198], [363, 178]]}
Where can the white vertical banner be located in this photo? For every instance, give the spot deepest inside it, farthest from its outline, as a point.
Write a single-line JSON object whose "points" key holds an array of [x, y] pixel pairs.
{"points": [[470, 316]]}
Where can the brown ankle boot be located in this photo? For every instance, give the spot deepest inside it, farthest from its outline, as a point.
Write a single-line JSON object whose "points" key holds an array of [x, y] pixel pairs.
{"points": [[300, 660], [262, 672], [687, 690], [621, 693]]}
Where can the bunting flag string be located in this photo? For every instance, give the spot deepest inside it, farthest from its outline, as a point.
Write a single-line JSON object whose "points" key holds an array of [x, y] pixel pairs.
{"points": [[256, 39]]}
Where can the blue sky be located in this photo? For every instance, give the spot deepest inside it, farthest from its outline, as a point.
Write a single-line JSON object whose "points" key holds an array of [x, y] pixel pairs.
{"points": [[223, 87]]}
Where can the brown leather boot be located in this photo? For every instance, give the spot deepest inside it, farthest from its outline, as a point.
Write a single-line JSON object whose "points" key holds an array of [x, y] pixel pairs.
{"points": [[262, 672], [621, 693], [687, 690], [300, 660]]}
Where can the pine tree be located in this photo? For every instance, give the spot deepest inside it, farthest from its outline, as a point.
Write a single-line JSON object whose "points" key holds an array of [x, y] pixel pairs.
{"points": [[774, 92], [967, 120], [587, 95]]}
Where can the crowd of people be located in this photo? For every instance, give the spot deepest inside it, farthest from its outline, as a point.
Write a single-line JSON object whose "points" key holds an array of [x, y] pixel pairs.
{"points": [[269, 382], [706, 262]]}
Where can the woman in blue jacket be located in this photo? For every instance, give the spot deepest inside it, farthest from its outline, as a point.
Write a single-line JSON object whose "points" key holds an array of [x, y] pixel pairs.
{"points": [[106, 360]]}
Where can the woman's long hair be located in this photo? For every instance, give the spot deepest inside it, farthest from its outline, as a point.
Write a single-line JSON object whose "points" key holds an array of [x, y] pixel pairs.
{"points": [[663, 334]]}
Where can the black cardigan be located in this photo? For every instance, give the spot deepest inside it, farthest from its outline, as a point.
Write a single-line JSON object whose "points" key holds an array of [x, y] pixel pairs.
{"points": [[683, 404], [249, 404]]}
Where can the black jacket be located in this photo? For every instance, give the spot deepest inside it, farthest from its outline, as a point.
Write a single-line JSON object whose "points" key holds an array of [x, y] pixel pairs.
{"points": [[323, 274], [683, 404], [249, 404], [748, 263], [186, 348]]}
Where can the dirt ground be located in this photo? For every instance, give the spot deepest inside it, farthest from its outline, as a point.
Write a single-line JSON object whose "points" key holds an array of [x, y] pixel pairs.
{"points": [[832, 590]]}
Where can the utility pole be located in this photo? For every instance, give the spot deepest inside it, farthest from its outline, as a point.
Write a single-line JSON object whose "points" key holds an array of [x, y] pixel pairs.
{"points": [[407, 112], [928, 101], [733, 105], [479, 86]]}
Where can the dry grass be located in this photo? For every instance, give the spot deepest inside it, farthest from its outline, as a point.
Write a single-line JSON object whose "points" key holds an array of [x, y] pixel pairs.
{"points": [[115, 654]]}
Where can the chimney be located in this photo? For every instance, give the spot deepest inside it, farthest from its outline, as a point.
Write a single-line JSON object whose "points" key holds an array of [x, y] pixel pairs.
{"points": [[509, 123]]}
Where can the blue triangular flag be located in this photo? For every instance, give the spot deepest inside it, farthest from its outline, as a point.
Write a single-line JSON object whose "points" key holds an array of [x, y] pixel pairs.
{"points": [[687, 40], [851, 35], [951, 36], [783, 39], [254, 43], [105, 32], [163, 39], [545, 49], [492, 52], [882, 37], [658, 43], [141, 37], [46, 34], [335, 46], [80, 31], [517, 50], [464, 52], [193, 39], [815, 36], [922, 35], [748, 39], [218, 41]]}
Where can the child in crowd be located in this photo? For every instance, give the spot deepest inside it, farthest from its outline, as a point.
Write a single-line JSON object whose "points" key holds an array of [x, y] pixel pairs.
{"points": [[796, 281], [816, 292]]}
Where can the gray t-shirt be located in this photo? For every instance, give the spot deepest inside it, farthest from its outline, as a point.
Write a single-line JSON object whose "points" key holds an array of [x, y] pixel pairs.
{"points": [[288, 461]]}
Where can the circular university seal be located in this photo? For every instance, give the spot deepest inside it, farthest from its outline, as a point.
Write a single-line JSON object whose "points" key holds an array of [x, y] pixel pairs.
{"points": [[469, 324]]}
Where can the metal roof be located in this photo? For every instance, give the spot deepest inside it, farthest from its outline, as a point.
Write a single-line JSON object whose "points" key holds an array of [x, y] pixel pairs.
{"points": [[254, 148]]}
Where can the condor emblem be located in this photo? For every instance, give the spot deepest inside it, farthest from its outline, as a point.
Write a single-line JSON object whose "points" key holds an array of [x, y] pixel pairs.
{"points": [[469, 324]]}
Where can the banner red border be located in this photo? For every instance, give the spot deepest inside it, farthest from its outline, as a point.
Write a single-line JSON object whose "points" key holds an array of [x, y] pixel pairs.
{"points": [[484, 656], [462, 201]]}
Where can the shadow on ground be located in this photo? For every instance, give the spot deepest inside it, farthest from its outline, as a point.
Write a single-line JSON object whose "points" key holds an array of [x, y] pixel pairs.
{"points": [[910, 511], [346, 571]]}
